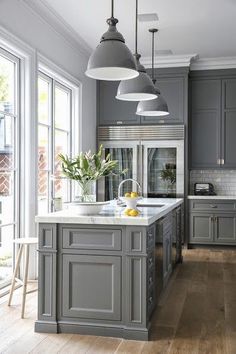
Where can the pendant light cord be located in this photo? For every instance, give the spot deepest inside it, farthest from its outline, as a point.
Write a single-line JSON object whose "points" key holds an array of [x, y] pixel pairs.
{"points": [[136, 28], [112, 8], [153, 55], [153, 31]]}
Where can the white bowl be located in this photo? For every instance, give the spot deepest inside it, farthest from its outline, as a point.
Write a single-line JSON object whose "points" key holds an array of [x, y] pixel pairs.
{"points": [[131, 203], [87, 208]]}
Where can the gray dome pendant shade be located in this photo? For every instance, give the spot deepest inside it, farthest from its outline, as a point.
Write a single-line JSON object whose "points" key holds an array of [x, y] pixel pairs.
{"points": [[140, 88], [112, 60], [158, 106]]}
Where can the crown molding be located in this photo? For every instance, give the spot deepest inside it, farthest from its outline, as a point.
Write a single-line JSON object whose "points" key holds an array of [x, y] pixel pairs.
{"points": [[57, 23], [214, 63], [169, 61]]}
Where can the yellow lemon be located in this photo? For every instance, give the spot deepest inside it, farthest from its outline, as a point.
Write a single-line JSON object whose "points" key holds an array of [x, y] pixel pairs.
{"points": [[133, 212], [134, 194], [127, 195], [127, 211]]}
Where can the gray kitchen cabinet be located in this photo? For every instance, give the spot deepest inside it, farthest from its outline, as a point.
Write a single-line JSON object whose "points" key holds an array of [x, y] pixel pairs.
{"points": [[212, 222], [173, 89], [201, 228], [213, 121], [228, 125], [99, 297], [225, 228], [205, 123], [112, 111], [173, 83]]}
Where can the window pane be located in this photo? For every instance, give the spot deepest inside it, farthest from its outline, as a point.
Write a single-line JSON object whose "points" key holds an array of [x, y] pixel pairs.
{"points": [[61, 187], [6, 142], [62, 109], [42, 192], [6, 197], [7, 85], [61, 146], [6, 252], [43, 147], [43, 101]]}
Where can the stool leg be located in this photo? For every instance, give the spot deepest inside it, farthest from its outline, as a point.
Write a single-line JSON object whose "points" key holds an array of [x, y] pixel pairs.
{"points": [[18, 259], [25, 280]]}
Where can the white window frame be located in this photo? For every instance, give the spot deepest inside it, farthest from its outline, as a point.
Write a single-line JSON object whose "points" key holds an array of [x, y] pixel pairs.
{"points": [[60, 77]]}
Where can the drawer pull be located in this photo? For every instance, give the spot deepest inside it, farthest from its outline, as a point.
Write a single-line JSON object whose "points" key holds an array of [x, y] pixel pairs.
{"points": [[213, 206]]}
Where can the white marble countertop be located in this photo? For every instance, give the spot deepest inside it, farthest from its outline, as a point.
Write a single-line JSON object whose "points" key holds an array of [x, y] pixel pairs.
{"points": [[214, 197], [112, 215]]}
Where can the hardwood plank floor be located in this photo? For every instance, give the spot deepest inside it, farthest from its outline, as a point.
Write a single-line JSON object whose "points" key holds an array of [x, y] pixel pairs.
{"points": [[196, 315]]}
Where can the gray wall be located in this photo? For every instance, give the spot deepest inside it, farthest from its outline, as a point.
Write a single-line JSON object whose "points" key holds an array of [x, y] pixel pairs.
{"points": [[23, 22]]}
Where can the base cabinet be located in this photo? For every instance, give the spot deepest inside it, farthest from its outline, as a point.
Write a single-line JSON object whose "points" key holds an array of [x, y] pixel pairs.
{"points": [[212, 222], [225, 228], [100, 295], [201, 228]]}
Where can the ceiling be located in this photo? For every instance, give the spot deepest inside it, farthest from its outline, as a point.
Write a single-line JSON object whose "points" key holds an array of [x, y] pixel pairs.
{"points": [[206, 27]]}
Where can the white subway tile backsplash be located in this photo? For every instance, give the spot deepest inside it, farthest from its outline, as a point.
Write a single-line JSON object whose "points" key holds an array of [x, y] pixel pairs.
{"points": [[224, 181]]}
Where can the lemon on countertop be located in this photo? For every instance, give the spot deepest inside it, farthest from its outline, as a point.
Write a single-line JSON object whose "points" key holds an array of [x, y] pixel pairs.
{"points": [[133, 212], [127, 211]]}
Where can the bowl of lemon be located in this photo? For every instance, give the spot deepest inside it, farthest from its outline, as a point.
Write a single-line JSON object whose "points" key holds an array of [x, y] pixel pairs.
{"points": [[131, 200]]}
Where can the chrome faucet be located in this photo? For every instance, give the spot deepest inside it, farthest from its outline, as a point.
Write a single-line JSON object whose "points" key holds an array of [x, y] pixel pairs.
{"points": [[119, 201]]}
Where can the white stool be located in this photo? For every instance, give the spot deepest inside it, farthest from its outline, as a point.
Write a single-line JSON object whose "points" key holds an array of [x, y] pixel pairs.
{"points": [[24, 243]]}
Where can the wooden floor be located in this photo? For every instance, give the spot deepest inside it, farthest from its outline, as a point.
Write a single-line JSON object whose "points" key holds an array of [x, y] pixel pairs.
{"points": [[197, 314]]}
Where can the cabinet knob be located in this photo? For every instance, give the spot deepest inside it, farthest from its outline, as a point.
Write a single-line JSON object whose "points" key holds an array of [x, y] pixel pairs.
{"points": [[150, 281], [150, 300]]}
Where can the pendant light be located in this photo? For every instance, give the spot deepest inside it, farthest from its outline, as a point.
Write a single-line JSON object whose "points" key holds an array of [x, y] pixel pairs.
{"points": [[158, 106], [112, 60], [140, 88]]}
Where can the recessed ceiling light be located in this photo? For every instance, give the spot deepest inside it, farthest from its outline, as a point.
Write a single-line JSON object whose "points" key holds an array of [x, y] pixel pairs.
{"points": [[148, 17], [163, 52]]}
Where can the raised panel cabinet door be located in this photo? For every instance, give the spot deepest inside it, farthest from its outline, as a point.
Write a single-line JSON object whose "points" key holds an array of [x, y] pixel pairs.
{"points": [[173, 91], [229, 139], [225, 228], [167, 257], [205, 139], [201, 228], [112, 111], [229, 93], [91, 287], [205, 94]]}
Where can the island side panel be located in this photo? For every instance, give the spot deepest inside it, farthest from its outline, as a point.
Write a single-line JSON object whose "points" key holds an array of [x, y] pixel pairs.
{"points": [[47, 262]]}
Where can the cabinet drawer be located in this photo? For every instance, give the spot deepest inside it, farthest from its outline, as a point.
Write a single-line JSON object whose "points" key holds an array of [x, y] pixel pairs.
{"points": [[213, 205], [91, 239]]}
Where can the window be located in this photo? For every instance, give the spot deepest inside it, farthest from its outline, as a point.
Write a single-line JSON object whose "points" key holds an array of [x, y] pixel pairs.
{"points": [[55, 126], [9, 161]]}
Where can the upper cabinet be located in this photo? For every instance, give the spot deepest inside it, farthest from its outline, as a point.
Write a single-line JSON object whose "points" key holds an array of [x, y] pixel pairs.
{"points": [[228, 124], [212, 125], [173, 84], [112, 111]]}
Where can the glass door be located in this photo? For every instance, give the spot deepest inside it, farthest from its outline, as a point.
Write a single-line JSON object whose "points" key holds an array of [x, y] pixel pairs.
{"points": [[163, 169], [9, 163], [126, 154]]}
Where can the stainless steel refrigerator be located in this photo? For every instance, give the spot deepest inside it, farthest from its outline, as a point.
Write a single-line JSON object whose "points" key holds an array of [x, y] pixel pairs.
{"points": [[153, 155]]}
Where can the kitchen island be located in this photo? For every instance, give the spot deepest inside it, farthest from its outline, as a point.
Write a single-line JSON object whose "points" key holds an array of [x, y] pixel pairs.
{"points": [[97, 273]]}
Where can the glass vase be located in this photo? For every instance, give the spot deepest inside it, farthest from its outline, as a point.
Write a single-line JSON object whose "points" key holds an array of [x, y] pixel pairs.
{"points": [[87, 192]]}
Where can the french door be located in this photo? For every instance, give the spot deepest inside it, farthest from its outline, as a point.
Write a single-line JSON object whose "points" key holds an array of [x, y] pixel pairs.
{"points": [[9, 162], [126, 153], [163, 168]]}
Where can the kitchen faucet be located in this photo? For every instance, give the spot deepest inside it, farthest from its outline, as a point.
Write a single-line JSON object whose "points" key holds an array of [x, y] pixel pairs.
{"points": [[119, 201]]}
